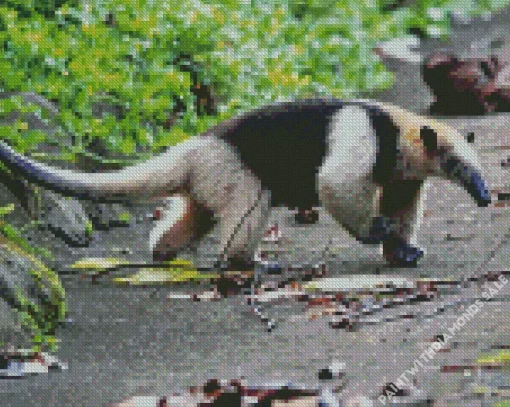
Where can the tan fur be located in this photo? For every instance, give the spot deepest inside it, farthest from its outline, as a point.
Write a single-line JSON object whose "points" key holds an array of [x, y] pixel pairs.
{"points": [[411, 146]]}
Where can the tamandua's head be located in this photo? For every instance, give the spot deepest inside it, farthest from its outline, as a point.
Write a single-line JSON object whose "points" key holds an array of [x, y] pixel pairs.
{"points": [[430, 148], [457, 161]]}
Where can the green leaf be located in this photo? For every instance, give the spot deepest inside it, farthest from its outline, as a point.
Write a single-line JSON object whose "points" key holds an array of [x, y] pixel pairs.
{"points": [[5, 210]]}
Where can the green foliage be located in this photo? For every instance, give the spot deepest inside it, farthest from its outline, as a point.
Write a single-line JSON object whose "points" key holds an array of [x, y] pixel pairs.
{"points": [[12, 234], [5, 210], [158, 62], [41, 319]]}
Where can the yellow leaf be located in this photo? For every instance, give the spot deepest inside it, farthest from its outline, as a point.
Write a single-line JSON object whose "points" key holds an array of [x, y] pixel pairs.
{"points": [[97, 263]]}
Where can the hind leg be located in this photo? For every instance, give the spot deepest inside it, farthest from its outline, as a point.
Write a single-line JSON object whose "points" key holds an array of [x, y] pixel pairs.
{"points": [[221, 183], [180, 222], [241, 225], [402, 203]]}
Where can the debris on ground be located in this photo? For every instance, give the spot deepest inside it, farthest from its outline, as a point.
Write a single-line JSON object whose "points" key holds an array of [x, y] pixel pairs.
{"points": [[335, 370], [494, 361], [175, 271], [360, 283], [345, 302], [273, 234], [25, 362], [97, 264], [163, 276], [410, 395], [235, 393]]}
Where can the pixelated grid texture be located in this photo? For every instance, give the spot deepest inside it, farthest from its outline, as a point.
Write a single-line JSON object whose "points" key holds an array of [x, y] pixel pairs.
{"points": [[197, 209]]}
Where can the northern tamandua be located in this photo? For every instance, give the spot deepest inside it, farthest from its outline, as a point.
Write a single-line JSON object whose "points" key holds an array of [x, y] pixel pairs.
{"points": [[363, 161]]}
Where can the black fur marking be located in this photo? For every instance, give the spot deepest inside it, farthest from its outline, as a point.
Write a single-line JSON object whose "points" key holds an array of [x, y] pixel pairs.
{"points": [[398, 196], [284, 146], [387, 134], [429, 138]]}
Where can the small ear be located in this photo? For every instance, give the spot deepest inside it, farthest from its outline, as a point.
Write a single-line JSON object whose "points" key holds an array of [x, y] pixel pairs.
{"points": [[429, 138]]}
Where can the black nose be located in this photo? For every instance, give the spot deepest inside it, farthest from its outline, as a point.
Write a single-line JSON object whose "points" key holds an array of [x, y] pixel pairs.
{"points": [[471, 180], [479, 190]]}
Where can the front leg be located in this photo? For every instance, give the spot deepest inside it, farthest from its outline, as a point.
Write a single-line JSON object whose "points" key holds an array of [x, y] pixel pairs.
{"points": [[346, 180], [355, 204], [402, 203]]}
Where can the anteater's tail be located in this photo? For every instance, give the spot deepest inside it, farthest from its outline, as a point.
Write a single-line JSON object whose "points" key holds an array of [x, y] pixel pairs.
{"points": [[158, 176]]}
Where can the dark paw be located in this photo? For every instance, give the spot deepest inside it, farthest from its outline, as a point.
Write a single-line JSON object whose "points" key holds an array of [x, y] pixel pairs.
{"points": [[160, 256], [240, 264], [307, 217], [405, 256], [379, 232]]}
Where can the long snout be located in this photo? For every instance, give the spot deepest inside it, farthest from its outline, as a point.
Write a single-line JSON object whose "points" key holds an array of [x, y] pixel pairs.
{"points": [[470, 179]]}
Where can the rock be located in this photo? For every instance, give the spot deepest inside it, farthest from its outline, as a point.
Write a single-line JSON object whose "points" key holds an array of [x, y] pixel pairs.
{"points": [[106, 216], [64, 217], [33, 299], [12, 334], [452, 80], [403, 49], [503, 79], [19, 188], [460, 17]]}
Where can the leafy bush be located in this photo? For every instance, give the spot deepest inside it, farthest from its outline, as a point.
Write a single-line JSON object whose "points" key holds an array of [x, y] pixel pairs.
{"points": [[174, 68], [40, 307]]}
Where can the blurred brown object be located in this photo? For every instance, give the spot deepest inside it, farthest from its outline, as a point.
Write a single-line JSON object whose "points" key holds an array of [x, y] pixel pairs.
{"points": [[469, 86]]}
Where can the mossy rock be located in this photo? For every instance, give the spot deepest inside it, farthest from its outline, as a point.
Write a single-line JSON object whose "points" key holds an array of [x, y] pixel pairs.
{"points": [[33, 300]]}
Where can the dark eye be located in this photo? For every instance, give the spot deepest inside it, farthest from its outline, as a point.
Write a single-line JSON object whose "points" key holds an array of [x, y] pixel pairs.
{"points": [[470, 137], [429, 138]]}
